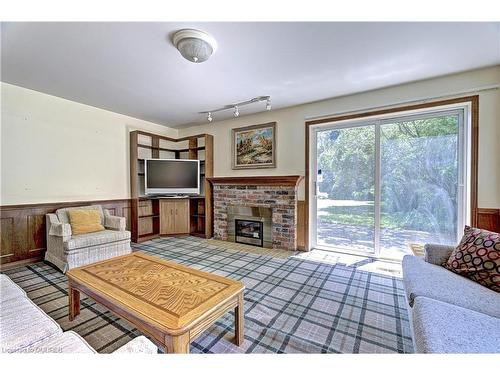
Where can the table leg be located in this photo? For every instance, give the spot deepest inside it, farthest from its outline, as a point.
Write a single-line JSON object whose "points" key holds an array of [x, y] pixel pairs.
{"points": [[74, 302], [178, 344], [239, 319]]}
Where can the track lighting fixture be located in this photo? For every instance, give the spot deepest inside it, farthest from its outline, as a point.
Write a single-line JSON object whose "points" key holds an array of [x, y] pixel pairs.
{"points": [[236, 109]]}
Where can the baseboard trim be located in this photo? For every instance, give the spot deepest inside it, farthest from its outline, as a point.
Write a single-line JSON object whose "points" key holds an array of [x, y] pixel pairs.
{"points": [[20, 263]]}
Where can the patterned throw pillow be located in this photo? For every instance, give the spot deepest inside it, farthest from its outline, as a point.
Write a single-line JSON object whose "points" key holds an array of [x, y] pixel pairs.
{"points": [[477, 257]]}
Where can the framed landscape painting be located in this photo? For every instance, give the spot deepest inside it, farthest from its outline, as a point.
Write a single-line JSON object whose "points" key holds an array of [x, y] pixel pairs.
{"points": [[254, 146]]}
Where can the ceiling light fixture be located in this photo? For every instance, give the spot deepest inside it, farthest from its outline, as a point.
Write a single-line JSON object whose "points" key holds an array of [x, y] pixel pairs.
{"points": [[236, 106], [194, 45], [268, 104]]}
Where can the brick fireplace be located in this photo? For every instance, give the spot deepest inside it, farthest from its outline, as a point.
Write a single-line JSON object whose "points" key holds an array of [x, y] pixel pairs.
{"points": [[278, 193]]}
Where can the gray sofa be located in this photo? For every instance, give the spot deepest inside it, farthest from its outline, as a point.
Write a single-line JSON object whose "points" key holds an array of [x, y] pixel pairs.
{"points": [[25, 328], [449, 313], [66, 251]]}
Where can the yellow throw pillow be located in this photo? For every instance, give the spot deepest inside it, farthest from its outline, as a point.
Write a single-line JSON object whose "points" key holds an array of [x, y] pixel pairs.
{"points": [[85, 221]]}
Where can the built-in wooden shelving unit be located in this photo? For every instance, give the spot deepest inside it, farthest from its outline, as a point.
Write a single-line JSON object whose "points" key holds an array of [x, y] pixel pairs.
{"points": [[145, 212]]}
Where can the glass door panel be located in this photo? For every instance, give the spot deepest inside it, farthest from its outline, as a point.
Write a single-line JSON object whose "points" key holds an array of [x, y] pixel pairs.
{"points": [[345, 212], [419, 183]]}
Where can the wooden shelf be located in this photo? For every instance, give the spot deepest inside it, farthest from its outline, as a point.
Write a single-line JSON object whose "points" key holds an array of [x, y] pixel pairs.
{"points": [[147, 145], [157, 148], [171, 149], [147, 236], [198, 234]]}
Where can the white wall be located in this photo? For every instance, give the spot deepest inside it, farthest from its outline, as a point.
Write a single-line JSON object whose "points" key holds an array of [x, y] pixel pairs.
{"points": [[56, 150], [291, 128]]}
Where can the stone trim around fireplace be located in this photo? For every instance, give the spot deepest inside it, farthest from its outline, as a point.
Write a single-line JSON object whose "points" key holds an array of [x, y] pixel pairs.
{"points": [[281, 199]]}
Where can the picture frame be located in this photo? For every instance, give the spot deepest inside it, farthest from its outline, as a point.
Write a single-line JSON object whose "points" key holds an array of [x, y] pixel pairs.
{"points": [[254, 147]]}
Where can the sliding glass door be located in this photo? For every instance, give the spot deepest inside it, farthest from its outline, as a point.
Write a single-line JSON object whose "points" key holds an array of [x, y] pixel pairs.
{"points": [[345, 188], [385, 185]]}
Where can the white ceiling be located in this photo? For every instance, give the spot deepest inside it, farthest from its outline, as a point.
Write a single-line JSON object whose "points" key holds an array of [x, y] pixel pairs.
{"points": [[133, 69]]}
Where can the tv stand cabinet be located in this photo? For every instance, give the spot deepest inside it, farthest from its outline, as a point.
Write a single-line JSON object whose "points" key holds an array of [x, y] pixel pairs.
{"points": [[174, 216], [151, 217]]}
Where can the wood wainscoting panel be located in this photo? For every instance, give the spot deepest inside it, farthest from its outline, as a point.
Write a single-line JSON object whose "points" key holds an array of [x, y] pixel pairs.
{"points": [[127, 214], [22, 227], [489, 219], [301, 225], [6, 237], [35, 238]]}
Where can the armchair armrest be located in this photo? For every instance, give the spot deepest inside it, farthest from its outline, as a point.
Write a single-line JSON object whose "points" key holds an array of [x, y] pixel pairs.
{"points": [[138, 345], [114, 222], [56, 228], [437, 254]]}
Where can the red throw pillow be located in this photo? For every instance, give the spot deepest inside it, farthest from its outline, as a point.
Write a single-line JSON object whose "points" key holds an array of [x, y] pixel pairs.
{"points": [[477, 257]]}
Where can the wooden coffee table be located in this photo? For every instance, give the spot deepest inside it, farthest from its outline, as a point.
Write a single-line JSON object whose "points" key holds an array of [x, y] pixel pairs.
{"points": [[170, 303]]}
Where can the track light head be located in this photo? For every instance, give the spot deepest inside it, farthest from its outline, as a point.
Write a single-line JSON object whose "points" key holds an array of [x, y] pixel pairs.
{"points": [[236, 111], [209, 117], [268, 104]]}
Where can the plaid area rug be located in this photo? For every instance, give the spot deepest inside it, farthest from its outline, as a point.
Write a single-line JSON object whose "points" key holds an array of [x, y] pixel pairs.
{"points": [[291, 305]]}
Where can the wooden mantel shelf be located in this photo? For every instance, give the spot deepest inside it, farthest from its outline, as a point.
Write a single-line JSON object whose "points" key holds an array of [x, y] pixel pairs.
{"points": [[257, 180]]}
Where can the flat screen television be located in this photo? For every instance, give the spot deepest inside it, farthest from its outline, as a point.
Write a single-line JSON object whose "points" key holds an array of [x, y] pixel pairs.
{"points": [[171, 176]]}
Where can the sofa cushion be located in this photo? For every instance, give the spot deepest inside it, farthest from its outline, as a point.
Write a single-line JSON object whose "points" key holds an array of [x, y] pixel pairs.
{"points": [[85, 221], [477, 257], [94, 239], [22, 323], [428, 280], [67, 342], [62, 213], [9, 289], [441, 327]]}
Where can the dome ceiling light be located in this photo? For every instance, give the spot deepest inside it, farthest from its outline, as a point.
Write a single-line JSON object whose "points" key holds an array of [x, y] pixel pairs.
{"points": [[194, 45]]}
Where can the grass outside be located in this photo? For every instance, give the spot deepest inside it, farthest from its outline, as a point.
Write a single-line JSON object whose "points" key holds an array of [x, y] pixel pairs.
{"points": [[358, 215]]}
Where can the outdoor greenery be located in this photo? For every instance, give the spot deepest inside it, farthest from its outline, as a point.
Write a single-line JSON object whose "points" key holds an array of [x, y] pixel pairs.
{"points": [[419, 173], [358, 215]]}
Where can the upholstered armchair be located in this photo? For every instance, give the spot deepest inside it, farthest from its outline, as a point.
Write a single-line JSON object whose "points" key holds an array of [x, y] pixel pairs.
{"points": [[66, 251]]}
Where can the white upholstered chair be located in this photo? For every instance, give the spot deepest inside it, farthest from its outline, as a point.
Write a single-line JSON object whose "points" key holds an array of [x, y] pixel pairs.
{"points": [[66, 251]]}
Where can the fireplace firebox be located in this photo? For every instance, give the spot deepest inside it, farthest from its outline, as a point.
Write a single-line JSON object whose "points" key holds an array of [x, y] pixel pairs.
{"points": [[250, 225], [250, 232]]}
